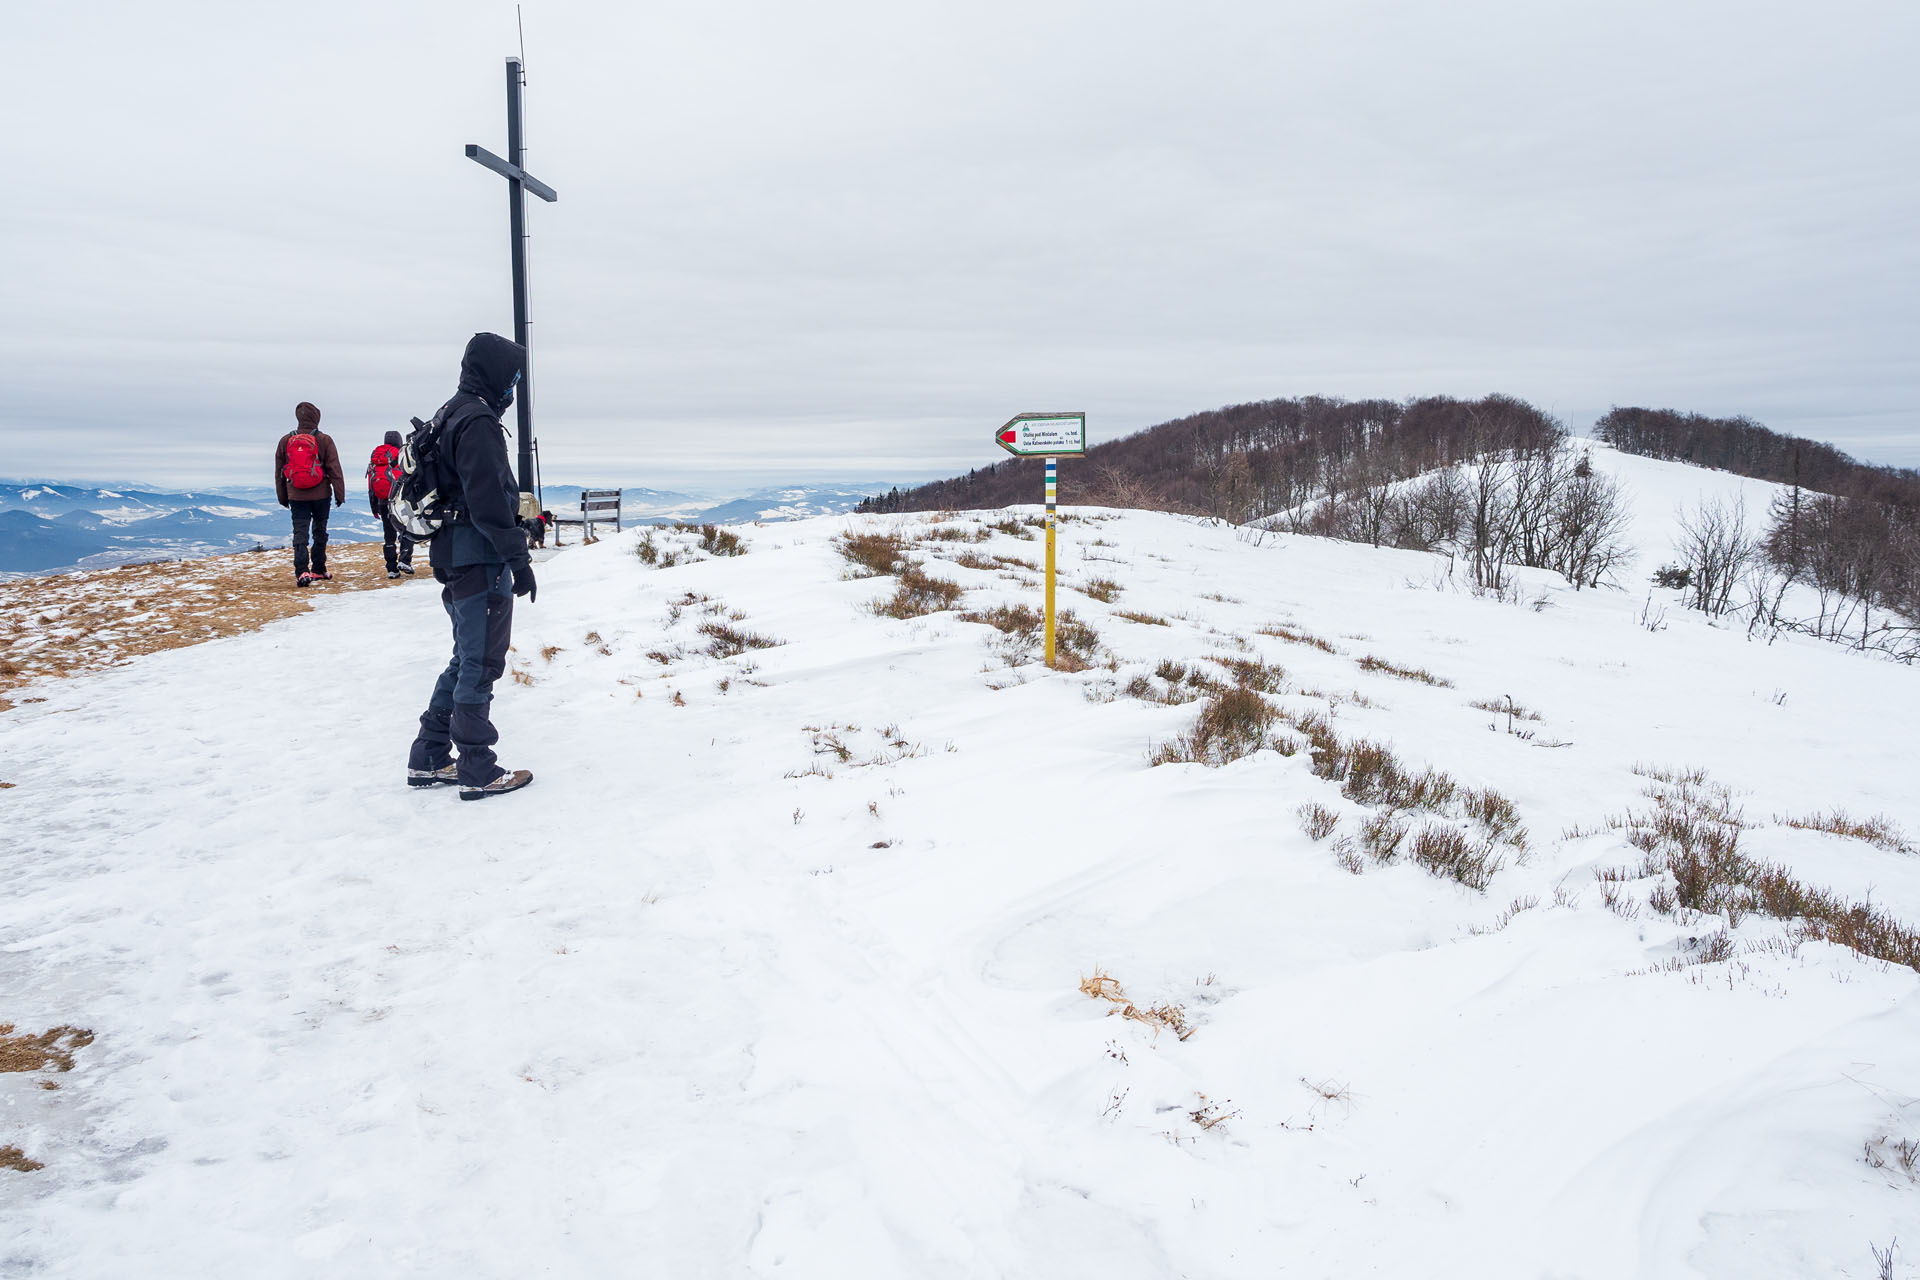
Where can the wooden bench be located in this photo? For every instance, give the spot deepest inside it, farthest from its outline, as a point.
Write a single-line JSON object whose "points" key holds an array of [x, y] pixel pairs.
{"points": [[597, 506]]}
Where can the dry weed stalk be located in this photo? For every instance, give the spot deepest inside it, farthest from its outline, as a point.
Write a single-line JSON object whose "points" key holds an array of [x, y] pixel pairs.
{"points": [[1101, 985]]}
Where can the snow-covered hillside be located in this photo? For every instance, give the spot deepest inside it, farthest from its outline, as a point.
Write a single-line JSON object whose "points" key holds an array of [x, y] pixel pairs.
{"points": [[816, 960]]}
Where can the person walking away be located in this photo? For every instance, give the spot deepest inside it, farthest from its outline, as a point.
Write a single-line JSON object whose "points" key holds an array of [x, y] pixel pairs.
{"points": [[481, 561], [383, 476], [306, 465]]}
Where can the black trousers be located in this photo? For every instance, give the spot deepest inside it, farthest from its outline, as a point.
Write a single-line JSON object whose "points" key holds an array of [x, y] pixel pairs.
{"points": [[390, 534], [307, 514], [479, 603]]}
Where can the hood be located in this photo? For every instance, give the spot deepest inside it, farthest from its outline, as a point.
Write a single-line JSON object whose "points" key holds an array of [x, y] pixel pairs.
{"points": [[490, 367], [393, 438], [307, 416]]}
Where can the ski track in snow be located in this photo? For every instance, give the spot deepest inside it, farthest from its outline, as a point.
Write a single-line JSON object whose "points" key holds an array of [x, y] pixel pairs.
{"points": [[643, 1019]]}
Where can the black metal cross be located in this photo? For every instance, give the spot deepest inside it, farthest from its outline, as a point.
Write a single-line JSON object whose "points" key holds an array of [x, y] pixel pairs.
{"points": [[518, 180]]}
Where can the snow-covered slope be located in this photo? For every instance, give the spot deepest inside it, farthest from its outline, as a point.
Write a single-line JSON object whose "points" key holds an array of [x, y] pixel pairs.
{"points": [[776, 969]]}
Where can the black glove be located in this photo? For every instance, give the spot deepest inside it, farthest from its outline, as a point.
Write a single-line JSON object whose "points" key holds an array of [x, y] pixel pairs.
{"points": [[339, 503], [523, 583], [287, 503]]}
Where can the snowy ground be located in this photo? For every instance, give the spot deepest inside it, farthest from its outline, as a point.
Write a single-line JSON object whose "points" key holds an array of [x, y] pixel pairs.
{"points": [[710, 1000]]}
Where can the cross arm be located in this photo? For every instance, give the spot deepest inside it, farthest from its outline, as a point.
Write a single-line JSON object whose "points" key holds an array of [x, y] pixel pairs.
{"points": [[512, 172]]}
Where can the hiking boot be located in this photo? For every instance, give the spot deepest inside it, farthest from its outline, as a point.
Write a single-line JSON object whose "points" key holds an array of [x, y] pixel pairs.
{"points": [[393, 575], [406, 568], [321, 575], [510, 781], [446, 775], [304, 580]]}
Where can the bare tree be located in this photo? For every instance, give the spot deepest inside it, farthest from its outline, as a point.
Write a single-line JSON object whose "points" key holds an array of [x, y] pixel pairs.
{"points": [[1588, 528], [1716, 546]]}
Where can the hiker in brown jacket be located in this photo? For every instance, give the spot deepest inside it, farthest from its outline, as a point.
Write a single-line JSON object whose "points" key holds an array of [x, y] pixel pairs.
{"points": [[305, 466]]}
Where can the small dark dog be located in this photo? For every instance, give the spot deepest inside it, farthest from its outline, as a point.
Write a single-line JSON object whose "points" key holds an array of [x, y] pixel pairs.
{"points": [[536, 528]]}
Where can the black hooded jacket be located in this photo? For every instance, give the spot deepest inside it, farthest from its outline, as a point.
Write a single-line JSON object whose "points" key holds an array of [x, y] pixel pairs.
{"points": [[488, 530]]}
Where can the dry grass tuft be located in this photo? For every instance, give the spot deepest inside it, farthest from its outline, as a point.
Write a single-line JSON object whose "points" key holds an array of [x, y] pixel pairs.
{"points": [[15, 1158], [1879, 830], [919, 593], [1144, 619], [1293, 635], [1105, 590], [716, 541], [872, 555], [1445, 851], [1251, 673], [51, 1050], [1317, 820], [727, 641], [1232, 725], [1419, 674], [955, 533]]}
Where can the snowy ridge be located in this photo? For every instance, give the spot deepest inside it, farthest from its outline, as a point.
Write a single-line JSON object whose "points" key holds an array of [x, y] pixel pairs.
{"points": [[776, 968]]}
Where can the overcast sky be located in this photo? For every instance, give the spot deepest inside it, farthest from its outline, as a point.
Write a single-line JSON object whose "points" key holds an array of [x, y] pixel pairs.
{"points": [[832, 240]]}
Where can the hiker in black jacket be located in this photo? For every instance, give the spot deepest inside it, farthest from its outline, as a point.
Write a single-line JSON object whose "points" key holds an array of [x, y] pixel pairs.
{"points": [[480, 559]]}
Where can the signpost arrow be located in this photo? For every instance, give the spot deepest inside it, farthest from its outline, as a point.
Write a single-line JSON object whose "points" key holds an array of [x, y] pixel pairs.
{"points": [[1043, 435]]}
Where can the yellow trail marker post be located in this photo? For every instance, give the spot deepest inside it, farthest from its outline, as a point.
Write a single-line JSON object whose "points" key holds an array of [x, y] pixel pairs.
{"points": [[1051, 436]]}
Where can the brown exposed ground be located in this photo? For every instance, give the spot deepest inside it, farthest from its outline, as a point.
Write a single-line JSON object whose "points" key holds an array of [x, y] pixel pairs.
{"points": [[72, 622]]}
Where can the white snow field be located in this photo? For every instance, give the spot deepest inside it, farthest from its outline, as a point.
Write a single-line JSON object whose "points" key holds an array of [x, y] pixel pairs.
{"points": [[709, 1000]]}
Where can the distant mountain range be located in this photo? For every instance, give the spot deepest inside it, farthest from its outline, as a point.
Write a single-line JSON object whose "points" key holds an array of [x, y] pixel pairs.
{"points": [[48, 527]]}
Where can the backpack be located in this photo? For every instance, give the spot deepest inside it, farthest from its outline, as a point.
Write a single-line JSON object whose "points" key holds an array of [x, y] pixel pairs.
{"points": [[424, 501], [303, 469], [383, 471]]}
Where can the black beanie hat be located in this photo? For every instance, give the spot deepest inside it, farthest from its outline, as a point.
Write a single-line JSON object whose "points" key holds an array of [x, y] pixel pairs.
{"points": [[393, 438]]}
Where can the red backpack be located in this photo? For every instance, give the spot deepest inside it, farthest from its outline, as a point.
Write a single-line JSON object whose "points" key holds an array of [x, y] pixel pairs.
{"points": [[303, 469], [383, 472]]}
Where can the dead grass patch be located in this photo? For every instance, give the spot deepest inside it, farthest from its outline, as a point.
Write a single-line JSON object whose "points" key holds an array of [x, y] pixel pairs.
{"points": [[726, 641], [919, 593], [1692, 834], [1251, 673], [51, 1050], [1370, 774], [716, 541], [1144, 619], [16, 1159], [1076, 644], [956, 533], [1445, 851], [66, 623], [1232, 725], [1878, 830], [1105, 590], [1294, 635], [1418, 674], [872, 555]]}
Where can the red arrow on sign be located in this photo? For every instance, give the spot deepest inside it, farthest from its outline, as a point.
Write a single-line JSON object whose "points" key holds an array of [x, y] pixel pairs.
{"points": [[1006, 437]]}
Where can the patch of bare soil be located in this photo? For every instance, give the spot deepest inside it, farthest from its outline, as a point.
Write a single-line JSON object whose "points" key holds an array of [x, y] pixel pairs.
{"points": [[72, 622], [15, 1158]]}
